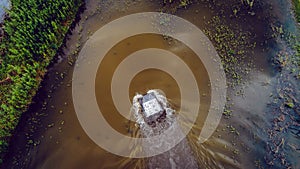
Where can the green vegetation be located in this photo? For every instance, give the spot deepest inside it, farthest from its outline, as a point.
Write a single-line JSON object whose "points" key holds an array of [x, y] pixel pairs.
{"points": [[34, 31], [177, 4], [297, 46], [297, 9], [233, 46]]}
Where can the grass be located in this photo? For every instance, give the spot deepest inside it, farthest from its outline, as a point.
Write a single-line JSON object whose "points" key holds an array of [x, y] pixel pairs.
{"points": [[34, 31], [296, 4]]}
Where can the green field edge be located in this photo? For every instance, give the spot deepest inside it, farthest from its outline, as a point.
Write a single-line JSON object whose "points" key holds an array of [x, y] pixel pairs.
{"points": [[296, 6], [34, 30]]}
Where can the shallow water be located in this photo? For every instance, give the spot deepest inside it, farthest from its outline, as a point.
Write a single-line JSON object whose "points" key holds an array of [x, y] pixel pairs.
{"points": [[50, 136], [4, 4]]}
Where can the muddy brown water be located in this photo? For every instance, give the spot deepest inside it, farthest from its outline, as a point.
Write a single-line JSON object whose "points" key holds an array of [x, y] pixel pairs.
{"points": [[149, 78], [49, 134]]}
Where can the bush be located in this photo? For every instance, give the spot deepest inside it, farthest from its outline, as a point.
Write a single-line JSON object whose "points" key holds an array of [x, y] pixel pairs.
{"points": [[33, 32], [297, 9]]}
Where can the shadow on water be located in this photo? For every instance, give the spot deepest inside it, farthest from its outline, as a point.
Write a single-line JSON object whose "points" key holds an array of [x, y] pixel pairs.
{"points": [[50, 136]]}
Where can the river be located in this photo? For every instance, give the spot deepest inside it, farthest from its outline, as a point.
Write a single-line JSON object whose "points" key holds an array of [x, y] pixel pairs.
{"points": [[49, 134]]}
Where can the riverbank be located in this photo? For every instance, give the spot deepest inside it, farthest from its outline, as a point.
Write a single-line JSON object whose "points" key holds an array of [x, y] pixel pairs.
{"points": [[33, 33]]}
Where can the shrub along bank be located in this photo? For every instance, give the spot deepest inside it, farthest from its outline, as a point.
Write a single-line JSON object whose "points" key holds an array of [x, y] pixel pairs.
{"points": [[296, 4], [33, 32]]}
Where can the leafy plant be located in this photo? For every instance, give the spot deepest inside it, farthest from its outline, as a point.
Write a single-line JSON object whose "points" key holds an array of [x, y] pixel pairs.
{"points": [[297, 9], [34, 31]]}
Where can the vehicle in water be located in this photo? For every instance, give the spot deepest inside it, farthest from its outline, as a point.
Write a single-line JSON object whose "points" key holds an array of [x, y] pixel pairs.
{"points": [[154, 115]]}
